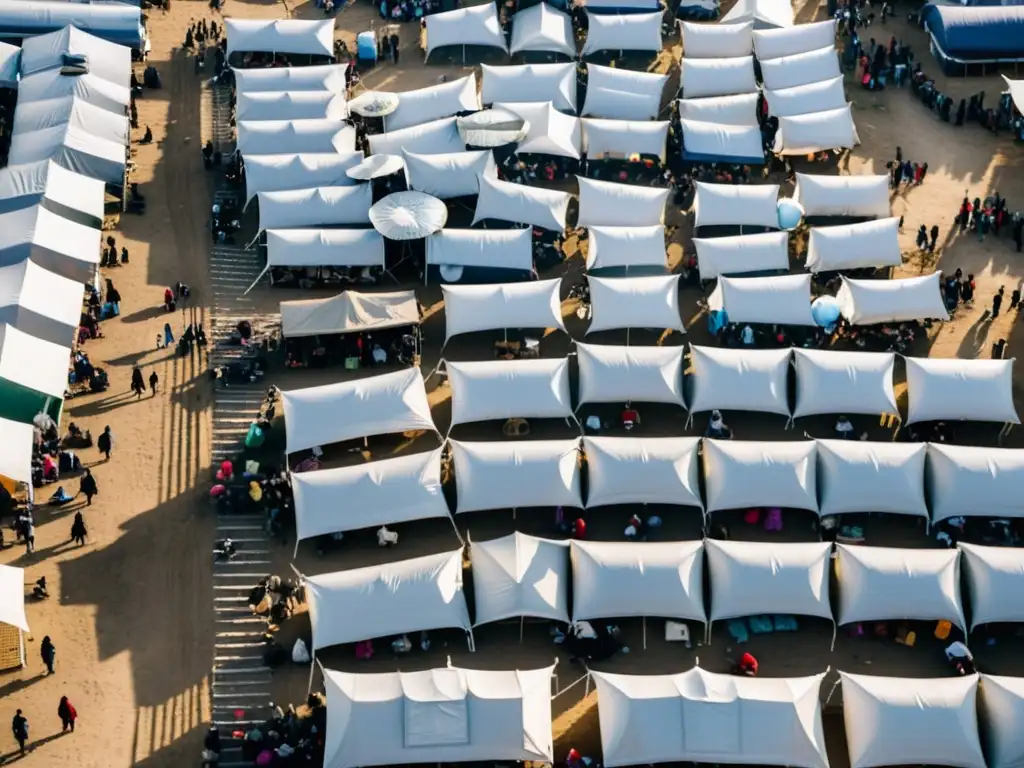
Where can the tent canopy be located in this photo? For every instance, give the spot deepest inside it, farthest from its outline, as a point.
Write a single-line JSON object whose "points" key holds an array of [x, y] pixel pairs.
{"points": [[804, 134], [967, 481], [713, 41], [542, 28], [1002, 700], [622, 138], [10, 65], [801, 68], [119, 23], [550, 133], [72, 148], [316, 136], [471, 308], [315, 207], [993, 582], [494, 248], [529, 83], [853, 196], [1016, 88], [324, 248], [476, 25], [739, 109], [77, 197], [520, 204], [35, 364], [738, 205], [779, 300], [766, 14], [718, 142], [349, 312], [634, 302], [12, 585], [52, 242], [287, 36], [829, 381], [324, 77], [40, 303], [642, 470], [870, 302], [621, 94], [434, 138], [718, 256], [739, 379], [741, 474], [624, 247], [791, 40], [520, 575], [984, 33], [626, 32], [856, 476], [958, 389], [855, 246], [448, 175], [435, 102], [92, 120], [108, 60], [613, 374], [700, 78], [90, 88], [506, 389], [821, 96], [606, 203], [15, 464], [277, 173], [285, 105]]}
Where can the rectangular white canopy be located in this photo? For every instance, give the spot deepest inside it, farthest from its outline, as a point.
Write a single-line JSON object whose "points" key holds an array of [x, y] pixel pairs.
{"points": [[717, 41], [53, 242], [822, 96], [859, 196], [830, 381], [324, 77], [494, 248], [529, 83], [608, 204], [618, 247], [621, 94], [451, 174], [368, 495], [286, 105], [276, 173], [40, 303], [717, 142], [376, 405], [542, 28], [506, 389], [738, 109], [958, 389], [618, 579], [621, 138], [717, 77], [715, 719], [888, 584], [316, 207], [741, 474], [869, 302], [415, 595], [765, 252], [471, 308], [516, 475], [435, 138], [801, 68], [73, 111], [613, 374], [910, 721], [520, 575], [642, 470], [92, 89], [475, 25], [993, 582], [739, 379], [22, 186], [435, 101], [1002, 701], [967, 481], [15, 464], [281, 137], [858, 476], [764, 13], [288, 36], [779, 300], [802, 38], [36, 364], [108, 60], [324, 248], [634, 302], [551, 132], [520, 204], [72, 148], [739, 205], [12, 589], [349, 312], [804, 134], [855, 246], [626, 32], [448, 715]]}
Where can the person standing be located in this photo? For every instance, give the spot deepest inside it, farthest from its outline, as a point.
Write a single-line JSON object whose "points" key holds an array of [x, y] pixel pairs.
{"points": [[394, 46], [88, 487], [78, 530], [997, 301], [67, 714], [30, 537], [19, 727], [922, 237], [105, 443], [153, 381], [138, 385], [48, 652]]}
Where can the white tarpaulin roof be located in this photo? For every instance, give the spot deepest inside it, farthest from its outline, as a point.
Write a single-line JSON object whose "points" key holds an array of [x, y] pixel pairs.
{"points": [[751, 578], [642, 470], [739, 379], [804, 134], [993, 582], [617, 579], [446, 715], [542, 28], [284, 105], [738, 109], [64, 110], [15, 464], [858, 476], [889, 584], [621, 94], [717, 77], [780, 300], [470, 308], [435, 138], [967, 481], [634, 302], [613, 374], [801, 68], [608, 204], [324, 77], [276, 173], [829, 381], [349, 312], [716, 142], [1002, 701], [10, 65], [36, 364], [12, 587], [855, 246], [279, 137], [910, 721], [447, 175], [506, 389], [529, 83], [765, 252], [741, 474], [325, 248], [551, 132], [477, 25], [869, 302], [40, 303], [108, 60], [435, 102], [494, 248], [843, 195], [368, 495], [764, 13], [621, 138], [971, 390], [72, 148], [288, 36], [520, 204], [802, 38], [376, 405], [415, 595], [626, 247], [59, 245], [628, 32], [750, 205], [516, 475], [821, 96], [92, 89], [316, 207], [520, 575], [25, 185], [716, 41]]}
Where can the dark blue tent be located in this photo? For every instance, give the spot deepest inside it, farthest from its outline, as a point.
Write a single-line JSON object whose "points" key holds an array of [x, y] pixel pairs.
{"points": [[975, 34], [117, 22]]}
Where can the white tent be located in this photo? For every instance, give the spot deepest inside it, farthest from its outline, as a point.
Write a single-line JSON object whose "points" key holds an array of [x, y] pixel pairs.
{"points": [[65, 110], [717, 41], [506, 389], [33, 363], [869, 302], [717, 77], [861, 196], [324, 248], [551, 132], [624, 5], [766, 252], [529, 83], [804, 134], [447, 175], [10, 65], [801, 38], [376, 405], [490, 248], [445, 715], [12, 593], [276, 173], [40, 303], [801, 69], [910, 721], [518, 576], [516, 475], [628, 32], [738, 205], [741, 474], [72, 148], [717, 142], [969, 390], [1002, 705], [779, 300], [634, 302], [51, 241], [821, 96], [967, 481], [22, 186], [829, 381], [471, 308], [435, 102], [621, 94], [324, 77], [993, 583], [622, 138], [606, 203], [368, 495], [738, 109], [890, 584], [618, 247], [475, 25], [316, 207], [855, 246], [274, 137], [618, 579], [349, 312], [92, 89], [435, 138], [858, 476], [642, 470], [287, 36], [16, 458], [753, 578], [739, 379], [613, 374], [766, 14], [520, 204], [108, 60], [284, 105], [542, 28], [415, 595]]}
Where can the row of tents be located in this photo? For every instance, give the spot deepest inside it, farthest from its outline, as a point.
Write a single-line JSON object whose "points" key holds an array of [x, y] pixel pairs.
{"points": [[114, 22]]}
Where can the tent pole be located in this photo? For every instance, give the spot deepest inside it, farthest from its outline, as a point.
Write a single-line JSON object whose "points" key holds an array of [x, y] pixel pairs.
{"points": [[312, 667], [644, 623], [522, 620], [457, 532], [295, 553]]}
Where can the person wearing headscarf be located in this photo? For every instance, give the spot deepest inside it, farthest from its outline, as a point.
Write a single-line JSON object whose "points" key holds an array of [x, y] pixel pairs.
{"points": [[68, 714], [717, 428]]}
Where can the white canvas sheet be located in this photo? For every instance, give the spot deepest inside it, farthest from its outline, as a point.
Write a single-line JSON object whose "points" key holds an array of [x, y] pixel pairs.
{"points": [[739, 379], [717, 77], [39, 365], [608, 204], [613, 374], [716, 142], [324, 77], [529, 83], [280, 137], [621, 138], [739, 205], [829, 381], [764, 13], [804, 134], [780, 300], [519, 204], [448, 175], [92, 89], [12, 595], [283, 105], [967, 481], [717, 41], [890, 584], [820, 96], [866, 196], [54, 243], [739, 109], [317, 207], [471, 308], [765, 252], [72, 148], [621, 94], [855, 246], [642, 470], [551, 132], [40, 303], [1002, 705], [634, 302], [349, 312], [869, 302], [857, 476], [493, 248], [376, 405], [618, 579], [741, 474], [15, 464], [276, 173], [542, 28], [801, 38], [993, 583], [476, 25], [288, 36], [46, 179], [970, 390], [520, 575], [801, 68], [434, 102], [91, 120], [628, 32], [516, 475], [506, 389], [626, 247], [108, 60], [325, 248], [436, 138]]}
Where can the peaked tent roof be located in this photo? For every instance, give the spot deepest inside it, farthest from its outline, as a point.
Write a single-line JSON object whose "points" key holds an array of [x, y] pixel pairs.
{"points": [[72, 148], [616, 247], [40, 303], [93, 89], [315, 207], [435, 102], [543, 28], [766, 14], [276, 173], [518, 83], [610, 204], [38, 365], [110, 61], [54, 243], [22, 186], [550, 133], [475, 25], [764, 252], [349, 312], [993, 582], [322, 77], [521, 575], [288, 36], [642, 470], [1002, 700], [95, 121], [325, 248], [314, 136], [285, 105]]}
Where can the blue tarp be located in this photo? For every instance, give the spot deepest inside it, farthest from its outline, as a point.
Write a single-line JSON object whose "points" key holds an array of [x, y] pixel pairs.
{"points": [[117, 22], [977, 33]]}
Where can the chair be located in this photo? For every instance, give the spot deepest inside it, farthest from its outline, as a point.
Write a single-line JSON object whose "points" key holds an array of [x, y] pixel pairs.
{"points": [[942, 630], [906, 637]]}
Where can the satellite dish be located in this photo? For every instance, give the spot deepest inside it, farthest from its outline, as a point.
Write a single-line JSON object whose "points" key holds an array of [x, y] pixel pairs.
{"points": [[451, 273]]}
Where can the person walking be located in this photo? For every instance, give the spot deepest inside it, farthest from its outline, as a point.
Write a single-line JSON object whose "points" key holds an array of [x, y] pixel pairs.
{"points": [[105, 443], [78, 530], [394, 46], [19, 727], [997, 301], [48, 652], [30, 537], [138, 385], [67, 714], [922, 237], [153, 381], [168, 335], [87, 486]]}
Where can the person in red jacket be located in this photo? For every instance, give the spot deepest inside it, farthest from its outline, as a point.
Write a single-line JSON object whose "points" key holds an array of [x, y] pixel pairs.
{"points": [[747, 665], [67, 714]]}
